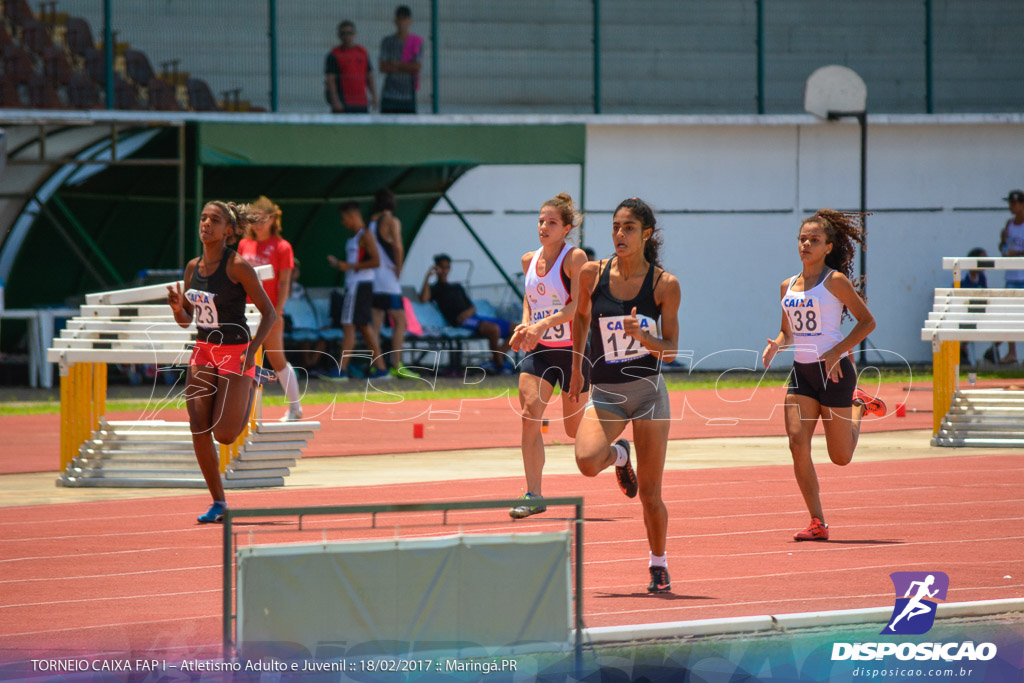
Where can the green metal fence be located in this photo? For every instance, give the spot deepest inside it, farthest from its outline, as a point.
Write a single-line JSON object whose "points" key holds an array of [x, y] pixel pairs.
{"points": [[570, 56]]}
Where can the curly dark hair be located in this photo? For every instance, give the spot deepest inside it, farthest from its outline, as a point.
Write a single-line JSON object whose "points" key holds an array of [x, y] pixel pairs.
{"points": [[844, 230], [645, 214]]}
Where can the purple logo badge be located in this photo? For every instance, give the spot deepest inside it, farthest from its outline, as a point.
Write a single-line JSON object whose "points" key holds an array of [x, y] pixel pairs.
{"points": [[916, 596]]}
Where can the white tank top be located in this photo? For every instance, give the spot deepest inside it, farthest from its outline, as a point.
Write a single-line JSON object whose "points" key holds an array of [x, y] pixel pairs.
{"points": [[1014, 242], [547, 295], [814, 319], [384, 279], [354, 254]]}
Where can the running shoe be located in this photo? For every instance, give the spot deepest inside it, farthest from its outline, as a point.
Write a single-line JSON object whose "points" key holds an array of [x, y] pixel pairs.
{"points": [[660, 581], [264, 376], [335, 375], [214, 514], [380, 374], [625, 474], [521, 511], [872, 404], [816, 531], [402, 372], [294, 414]]}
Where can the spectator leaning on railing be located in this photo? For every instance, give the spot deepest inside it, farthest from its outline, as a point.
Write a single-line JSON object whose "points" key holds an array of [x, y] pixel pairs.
{"points": [[401, 56]]}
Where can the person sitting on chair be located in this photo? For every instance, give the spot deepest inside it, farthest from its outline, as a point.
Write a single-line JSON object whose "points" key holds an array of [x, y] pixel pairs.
{"points": [[458, 309]]}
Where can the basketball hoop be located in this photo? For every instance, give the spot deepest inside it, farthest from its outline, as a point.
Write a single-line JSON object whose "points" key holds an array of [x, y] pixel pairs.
{"points": [[834, 91]]}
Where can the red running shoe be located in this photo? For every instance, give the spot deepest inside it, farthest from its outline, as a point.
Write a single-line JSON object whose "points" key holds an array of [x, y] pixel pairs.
{"points": [[660, 583], [817, 531], [625, 475], [872, 404]]}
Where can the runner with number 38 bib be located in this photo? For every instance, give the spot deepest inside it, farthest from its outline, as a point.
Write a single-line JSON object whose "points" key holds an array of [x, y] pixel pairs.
{"points": [[823, 382], [630, 305], [552, 276]]}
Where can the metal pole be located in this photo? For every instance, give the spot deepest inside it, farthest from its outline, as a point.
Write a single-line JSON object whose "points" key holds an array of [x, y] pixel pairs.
{"points": [[480, 242], [227, 586], [197, 182], [578, 645], [108, 50], [760, 56], [272, 9], [181, 196], [597, 56], [929, 94], [862, 119], [435, 104]]}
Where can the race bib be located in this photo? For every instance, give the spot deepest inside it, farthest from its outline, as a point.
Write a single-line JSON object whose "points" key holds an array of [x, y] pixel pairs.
{"points": [[803, 314], [618, 346], [562, 332], [205, 312]]}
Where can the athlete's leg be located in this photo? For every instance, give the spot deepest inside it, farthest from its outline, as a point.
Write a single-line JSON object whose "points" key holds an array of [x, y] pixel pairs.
{"points": [[801, 416], [273, 346], [233, 406], [842, 431], [594, 437], [371, 341], [650, 441], [200, 397], [572, 412], [534, 396], [397, 335]]}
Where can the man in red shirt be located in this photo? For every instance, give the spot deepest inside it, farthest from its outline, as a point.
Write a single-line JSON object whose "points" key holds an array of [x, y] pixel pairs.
{"points": [[348, 74]]}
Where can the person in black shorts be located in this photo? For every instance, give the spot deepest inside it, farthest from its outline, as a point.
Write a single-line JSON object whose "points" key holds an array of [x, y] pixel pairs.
{"points": [[221, 380], [552, 273], [460, 311], [823, 382], [361, 260], [630, 306]]}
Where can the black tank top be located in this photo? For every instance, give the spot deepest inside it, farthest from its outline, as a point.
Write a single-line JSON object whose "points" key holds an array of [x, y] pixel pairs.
{"points": [[219, 305], [617, 358]]}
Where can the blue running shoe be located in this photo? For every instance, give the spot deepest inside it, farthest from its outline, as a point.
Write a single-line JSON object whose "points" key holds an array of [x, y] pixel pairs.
{"points": [[526, 509], [264, 376], [335, 375], [380, 374], [214, 514]]}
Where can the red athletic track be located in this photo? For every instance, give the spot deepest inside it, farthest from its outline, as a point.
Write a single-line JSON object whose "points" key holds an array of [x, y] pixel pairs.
{"points": [[31, 442], [142, 576]]}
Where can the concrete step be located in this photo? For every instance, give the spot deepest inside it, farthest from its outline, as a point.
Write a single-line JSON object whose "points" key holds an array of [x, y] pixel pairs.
{"points": [[971, 442], [180, 483]]}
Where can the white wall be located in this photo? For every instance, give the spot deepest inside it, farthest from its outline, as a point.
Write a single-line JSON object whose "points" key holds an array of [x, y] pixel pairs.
{"points": [[731, 192]]}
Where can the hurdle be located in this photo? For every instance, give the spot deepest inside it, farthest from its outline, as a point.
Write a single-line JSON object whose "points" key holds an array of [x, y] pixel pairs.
{"points": [[120, 327], [407, 635], [973, 417]]}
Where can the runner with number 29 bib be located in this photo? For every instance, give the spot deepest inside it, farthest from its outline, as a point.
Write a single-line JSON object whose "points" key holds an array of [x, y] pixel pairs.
{"points": [[552, 275], [630, 306]]}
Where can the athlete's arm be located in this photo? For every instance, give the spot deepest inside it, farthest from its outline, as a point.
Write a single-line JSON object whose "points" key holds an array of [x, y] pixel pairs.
{"points": [[581, 323], [783, 339], [515, 342], [841, 287], [241, 271], [392, 234], [181, 307], [368, 243], [425, 289]]}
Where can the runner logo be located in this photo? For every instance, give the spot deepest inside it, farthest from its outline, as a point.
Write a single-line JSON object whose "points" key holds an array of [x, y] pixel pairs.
{"points": [[916, 593]]}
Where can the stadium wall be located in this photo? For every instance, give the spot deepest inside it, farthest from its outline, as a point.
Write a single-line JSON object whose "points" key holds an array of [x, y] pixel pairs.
{"points": [[730, 193]]}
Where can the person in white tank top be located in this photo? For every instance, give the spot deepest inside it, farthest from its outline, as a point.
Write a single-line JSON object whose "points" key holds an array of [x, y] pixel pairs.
{"points": [[1011, 243], [546, 335], [387, 288], [823, 382]]}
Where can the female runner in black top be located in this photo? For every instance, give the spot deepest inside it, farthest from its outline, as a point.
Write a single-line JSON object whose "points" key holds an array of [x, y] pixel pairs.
{"points": [[623, 303], [220, 385]]}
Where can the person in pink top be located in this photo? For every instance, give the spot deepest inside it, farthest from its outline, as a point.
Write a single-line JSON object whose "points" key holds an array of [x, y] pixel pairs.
{"points": [[263, 245]]}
